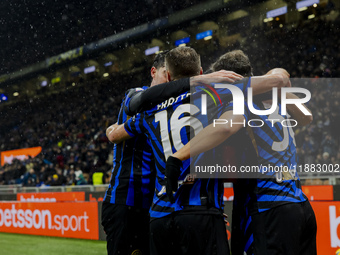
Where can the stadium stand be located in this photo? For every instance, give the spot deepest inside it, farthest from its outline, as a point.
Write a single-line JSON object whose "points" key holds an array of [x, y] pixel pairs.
{"points": [[69, 25], [69, 124]]}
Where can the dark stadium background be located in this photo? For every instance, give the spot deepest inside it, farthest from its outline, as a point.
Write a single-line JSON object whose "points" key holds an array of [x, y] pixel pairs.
{"points": [[65, 66]]}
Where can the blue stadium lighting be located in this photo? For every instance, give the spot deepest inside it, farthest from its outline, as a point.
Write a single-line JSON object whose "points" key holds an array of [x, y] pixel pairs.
{"points": [[89, 69], [182, 41], [306, 3], [204, 34], [151, 51], [3, 97], [277, 12], [108, 63]]}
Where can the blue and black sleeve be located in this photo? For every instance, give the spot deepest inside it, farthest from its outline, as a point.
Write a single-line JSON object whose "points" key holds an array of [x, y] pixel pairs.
{"points": [[139, 101]]}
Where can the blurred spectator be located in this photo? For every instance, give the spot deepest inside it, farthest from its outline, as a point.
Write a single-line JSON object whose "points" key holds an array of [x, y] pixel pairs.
{"points": [[80, 179], [71, 177], [309, 150], [30, 179], [42, 177], [328, 145], [98, 178], [325, 158]]}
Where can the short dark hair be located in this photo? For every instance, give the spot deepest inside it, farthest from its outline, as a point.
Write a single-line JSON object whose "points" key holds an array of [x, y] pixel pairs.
{"points": [[159, 60], [183, 62], [236, 61]]}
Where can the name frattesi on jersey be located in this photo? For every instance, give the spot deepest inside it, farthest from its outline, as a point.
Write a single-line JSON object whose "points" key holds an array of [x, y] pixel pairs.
{"points": [[172, 100]]}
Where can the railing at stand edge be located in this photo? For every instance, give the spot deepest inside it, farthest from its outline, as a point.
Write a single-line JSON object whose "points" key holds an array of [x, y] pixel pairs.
{"points": [[17, 188]]}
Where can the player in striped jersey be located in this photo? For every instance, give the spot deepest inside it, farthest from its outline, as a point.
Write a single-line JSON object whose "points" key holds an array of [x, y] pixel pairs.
{"points": [[195, 198], [125, 212], [271, 216], [193, 224]]}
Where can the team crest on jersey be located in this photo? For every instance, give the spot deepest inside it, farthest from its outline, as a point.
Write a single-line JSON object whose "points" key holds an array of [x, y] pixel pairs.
{"points": [[288, 174]]}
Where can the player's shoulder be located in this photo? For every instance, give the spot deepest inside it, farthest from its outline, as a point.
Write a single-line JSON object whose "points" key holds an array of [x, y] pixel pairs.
{"points": [[135, 90]]}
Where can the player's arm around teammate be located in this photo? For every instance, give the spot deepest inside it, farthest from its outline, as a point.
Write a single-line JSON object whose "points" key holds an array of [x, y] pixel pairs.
{"points": [[157, 94], [214, 135], [142, 100], [259, 84]]}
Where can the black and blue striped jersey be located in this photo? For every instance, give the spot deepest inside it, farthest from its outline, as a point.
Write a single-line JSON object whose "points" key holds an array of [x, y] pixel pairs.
{"points": [[271, 144], [169, 126], [133, 177], [274, 145]]}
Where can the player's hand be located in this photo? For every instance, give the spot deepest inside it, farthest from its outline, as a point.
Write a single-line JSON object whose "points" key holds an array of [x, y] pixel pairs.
{"points": [[172, 173], [279, 71], [109, 131], [216, 77], [284, 74]]}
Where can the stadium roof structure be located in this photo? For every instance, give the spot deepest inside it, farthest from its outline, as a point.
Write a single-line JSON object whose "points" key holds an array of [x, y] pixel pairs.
{"points": [[33, 28]]}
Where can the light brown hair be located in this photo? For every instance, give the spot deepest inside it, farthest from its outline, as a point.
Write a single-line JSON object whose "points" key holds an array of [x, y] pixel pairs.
{"points": [[182, 62], [235, 61]]}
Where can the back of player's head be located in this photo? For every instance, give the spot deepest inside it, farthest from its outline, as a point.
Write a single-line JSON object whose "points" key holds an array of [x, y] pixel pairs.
{"points": [[159, 60], [183, 62], [235, 61]]}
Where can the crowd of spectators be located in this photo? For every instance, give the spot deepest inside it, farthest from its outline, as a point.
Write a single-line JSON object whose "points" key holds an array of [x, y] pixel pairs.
{"points": [[34, 31], [306, 56], [70, 126], [310, 57]]}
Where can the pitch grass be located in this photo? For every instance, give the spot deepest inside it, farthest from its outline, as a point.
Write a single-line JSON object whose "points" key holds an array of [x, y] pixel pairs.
{"points": [[16, 244]]}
